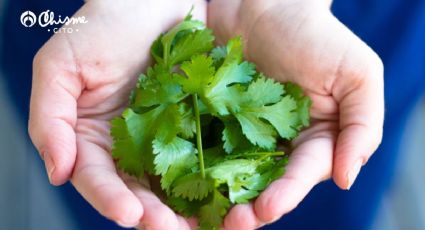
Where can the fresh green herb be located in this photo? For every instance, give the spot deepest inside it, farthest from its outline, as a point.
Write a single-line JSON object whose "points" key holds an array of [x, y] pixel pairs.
{"points": [[207, 123]]}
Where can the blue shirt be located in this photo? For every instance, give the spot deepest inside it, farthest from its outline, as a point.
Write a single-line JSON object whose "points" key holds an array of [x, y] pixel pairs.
{"points": [[394, 29]]}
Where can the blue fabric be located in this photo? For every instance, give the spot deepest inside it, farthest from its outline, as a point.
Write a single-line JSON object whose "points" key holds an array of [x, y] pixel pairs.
{"points": [[394, 29]]}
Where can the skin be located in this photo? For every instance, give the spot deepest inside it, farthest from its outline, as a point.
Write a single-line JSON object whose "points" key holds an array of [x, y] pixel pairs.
{"points": [[82, 80], [302, 42]]}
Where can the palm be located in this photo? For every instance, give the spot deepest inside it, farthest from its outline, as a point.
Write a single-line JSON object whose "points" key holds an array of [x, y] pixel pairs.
{"points": [[303, 43]]}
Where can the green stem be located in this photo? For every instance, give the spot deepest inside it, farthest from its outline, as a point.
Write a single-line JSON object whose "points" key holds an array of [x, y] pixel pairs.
{"points": [[269, 154], [198, 135], [262, 154]]}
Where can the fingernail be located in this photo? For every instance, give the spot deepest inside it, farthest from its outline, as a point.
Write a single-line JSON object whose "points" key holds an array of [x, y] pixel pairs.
{"points": [[49, 164], [352, 174], [127, 225]]}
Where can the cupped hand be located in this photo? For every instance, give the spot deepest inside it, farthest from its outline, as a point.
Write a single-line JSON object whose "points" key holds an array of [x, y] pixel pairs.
{"points": [[302, 42], [80, 81]]}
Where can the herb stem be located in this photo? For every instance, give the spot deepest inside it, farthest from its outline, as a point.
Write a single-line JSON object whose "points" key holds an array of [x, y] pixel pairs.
{"points": [[269, 154], [262, 155], [198, 135]]}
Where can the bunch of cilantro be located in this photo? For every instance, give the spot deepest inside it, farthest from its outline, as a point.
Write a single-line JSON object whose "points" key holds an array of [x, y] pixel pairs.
{"points": [[207, 123]]}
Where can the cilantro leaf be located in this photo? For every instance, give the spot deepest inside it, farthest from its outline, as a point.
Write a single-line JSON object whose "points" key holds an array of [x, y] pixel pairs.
{"points": [[195, 96], [200, 41], [131, 139], [222, 94], [187, 124], [167, 154], [125, 148], [199, 73], [157, 87], [303, 104], [264, 91], [183, 206], [231, 173], [234, 51], [265, 111], [234, 140], [133, 135], [193, 186], [183, 166], [168, 38], [211, 214], [157, 50], [218, 54]]}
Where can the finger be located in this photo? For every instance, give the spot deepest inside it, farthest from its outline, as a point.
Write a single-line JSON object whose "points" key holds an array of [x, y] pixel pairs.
{"points": [[157, 215], [97, 181], [360, 92], [223, 13], [53, 111], [242, 216], [309, 164]]}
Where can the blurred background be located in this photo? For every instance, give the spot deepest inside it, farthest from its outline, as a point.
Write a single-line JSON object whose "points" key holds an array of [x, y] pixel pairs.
{"points": [[28, 201]]}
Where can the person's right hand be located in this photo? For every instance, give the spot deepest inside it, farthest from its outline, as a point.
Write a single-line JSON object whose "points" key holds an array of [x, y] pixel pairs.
{"points": [[80, 81], [302, 42]]}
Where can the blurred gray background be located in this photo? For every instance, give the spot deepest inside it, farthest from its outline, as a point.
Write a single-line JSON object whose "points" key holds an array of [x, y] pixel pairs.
{"points": [[27, 201]]}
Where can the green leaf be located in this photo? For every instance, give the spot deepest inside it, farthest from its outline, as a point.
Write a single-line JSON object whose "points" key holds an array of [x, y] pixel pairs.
{"points": [[190, 44], [234, 139], [183, 206], [257, 131], [222, 94], [182, 167], [211, 214], [130, 142], [218, 54], [264, 111], [213, 155], [125, 148], [303, 104], [282, 116], [167, 154], [187, 124], [193, 186], [239, 194], [156, 88], [157, 50], [168, 38], [231, 173], [245, 178], [267, 171], [199, 72], [231, 136], [234, 51], [240, 113], [133, 135], [264, 91]]}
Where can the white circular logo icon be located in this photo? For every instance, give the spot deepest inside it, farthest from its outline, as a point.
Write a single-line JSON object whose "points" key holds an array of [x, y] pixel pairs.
{"points": [[28, 18]]}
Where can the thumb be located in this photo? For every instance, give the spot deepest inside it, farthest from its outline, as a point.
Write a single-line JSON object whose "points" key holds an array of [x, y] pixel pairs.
{"points": [[53, 108], [359, 91]]}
